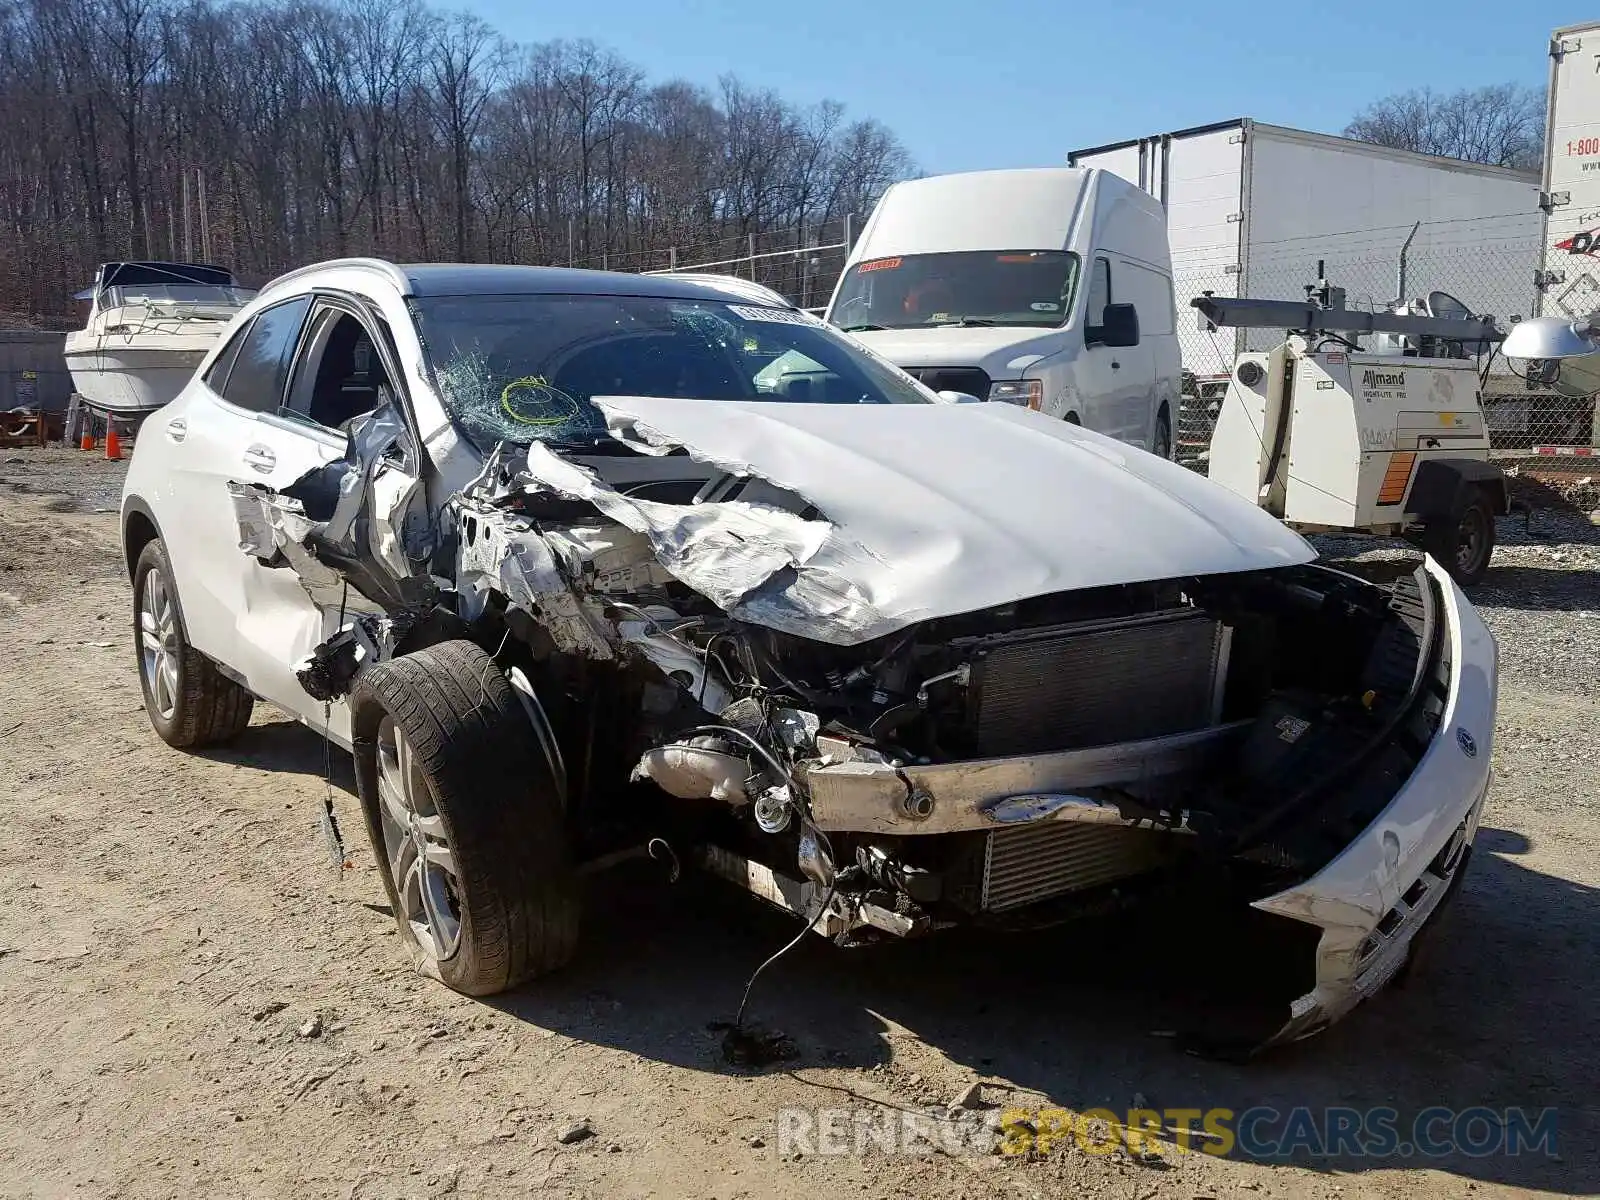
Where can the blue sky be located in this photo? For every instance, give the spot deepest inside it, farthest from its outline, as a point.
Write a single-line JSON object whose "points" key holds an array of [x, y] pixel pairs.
{"points": [[969, 84]]}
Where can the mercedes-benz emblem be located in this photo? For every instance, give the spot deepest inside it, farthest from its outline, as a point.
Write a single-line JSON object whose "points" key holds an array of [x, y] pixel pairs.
{"points": [[1469, 747]]}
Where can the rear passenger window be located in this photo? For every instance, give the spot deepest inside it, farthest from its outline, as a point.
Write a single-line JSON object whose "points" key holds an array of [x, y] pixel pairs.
{"points": [[217, 373], [261, 367]]}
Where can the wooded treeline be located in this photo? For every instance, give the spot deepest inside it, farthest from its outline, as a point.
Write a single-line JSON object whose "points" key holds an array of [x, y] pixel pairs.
{"points": [[317, 128]]}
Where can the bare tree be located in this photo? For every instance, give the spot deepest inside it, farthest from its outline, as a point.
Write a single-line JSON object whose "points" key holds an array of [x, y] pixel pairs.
{"points": [[465, 59], [1502, 124], [327, 127]]}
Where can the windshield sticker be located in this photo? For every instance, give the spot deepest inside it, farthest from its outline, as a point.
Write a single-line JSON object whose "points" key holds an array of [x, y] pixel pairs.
{"points": [[878, 264], [778, 316], [1045, 306]]}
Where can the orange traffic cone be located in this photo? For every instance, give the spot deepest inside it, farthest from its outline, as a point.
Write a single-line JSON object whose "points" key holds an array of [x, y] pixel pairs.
{"points": [[113, 444], [86, 442]]}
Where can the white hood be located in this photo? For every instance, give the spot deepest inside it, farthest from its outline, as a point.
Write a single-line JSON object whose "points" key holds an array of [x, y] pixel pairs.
{"points": [[1000, 351], [924, 511]]}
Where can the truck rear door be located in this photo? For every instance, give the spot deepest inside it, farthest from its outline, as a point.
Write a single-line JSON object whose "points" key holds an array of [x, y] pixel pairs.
{"points": [[1569, 284]]}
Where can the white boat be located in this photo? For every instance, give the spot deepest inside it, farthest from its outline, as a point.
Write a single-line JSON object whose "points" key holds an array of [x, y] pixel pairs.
{"points": [[149, 326]]}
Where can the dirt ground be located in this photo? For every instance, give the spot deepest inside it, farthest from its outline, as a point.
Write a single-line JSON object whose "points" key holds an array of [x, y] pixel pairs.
{"points": [[195, 1006]]}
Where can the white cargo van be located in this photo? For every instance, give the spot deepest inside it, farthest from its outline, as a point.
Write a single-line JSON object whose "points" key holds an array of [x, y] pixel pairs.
{"points": [[1047, 287]]}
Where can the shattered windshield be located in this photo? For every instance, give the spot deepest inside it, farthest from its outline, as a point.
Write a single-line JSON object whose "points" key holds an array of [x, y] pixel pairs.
{"points": [[972, 287], [527, 368]]}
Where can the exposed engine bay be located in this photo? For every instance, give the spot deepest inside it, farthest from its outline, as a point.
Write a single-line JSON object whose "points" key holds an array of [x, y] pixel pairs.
{"points": [[707, 658]]}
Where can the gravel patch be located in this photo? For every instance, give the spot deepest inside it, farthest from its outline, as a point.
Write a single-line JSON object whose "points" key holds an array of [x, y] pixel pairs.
{"points": [[85, 480]]}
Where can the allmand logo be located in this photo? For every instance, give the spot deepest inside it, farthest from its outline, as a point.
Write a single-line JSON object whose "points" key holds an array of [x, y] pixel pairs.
{"points": [[1382, 379]]}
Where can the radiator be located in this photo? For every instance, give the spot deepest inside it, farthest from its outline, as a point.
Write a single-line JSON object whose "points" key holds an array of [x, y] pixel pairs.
{"points": [[1094, 685], [1089, 685]]}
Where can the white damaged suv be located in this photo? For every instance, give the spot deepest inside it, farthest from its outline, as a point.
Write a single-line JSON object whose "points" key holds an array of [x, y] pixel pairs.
{"points": [[577, 562]]}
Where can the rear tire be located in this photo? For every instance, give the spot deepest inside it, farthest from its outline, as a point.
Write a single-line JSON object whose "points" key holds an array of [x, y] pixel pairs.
{"points": [[1463, 545], [465, 820], [189, 702], [1162, 445]]}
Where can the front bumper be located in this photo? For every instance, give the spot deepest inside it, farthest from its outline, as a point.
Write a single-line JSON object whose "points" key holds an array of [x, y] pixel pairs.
{"points": [[1371, 899]]}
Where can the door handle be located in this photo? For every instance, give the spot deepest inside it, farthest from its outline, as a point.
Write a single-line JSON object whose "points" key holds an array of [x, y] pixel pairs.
{"points": [[177, 429], [261, 458]]}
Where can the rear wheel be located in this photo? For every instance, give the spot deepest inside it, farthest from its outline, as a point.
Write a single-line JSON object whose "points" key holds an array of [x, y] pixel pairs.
{"points": [[465, 818], [189, 702], [1162, 445], [1463, 545]]}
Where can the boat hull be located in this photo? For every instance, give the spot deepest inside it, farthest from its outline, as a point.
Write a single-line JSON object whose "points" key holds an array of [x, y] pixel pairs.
{"points": [[129, 379]]}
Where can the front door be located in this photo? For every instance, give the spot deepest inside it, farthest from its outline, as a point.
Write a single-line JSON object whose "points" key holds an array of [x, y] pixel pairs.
{"points": [[335, 378], [1112, 380]]}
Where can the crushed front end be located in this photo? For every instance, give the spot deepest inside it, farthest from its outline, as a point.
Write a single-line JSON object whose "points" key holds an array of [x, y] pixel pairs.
{"points": [[713, 661]]}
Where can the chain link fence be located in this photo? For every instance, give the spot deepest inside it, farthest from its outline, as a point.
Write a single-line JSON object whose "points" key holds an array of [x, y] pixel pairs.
{"points": [[803, 264], [1494, 277]]}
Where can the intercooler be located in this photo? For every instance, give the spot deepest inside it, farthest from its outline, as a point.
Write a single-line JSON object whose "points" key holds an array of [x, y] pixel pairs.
{"points": [[1087, 685], [1026, 865]]}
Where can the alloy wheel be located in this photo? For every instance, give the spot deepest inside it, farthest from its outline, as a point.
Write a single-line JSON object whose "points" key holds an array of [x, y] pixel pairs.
{"points": [[158, 644], [420, 858]]}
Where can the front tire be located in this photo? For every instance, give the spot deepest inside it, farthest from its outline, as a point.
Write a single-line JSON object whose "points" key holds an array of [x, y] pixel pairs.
{"points": [[465, 819], [1464, 545], [189, 702]]}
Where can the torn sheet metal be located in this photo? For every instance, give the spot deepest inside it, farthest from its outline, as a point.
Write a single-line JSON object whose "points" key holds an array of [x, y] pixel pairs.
{"points": [[931, 510], [276, 530], [754, 561], [610, 559], [496, 551], [360, 520]]}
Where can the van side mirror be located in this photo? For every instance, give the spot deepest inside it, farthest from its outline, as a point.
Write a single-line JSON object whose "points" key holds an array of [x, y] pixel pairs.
{"points": [[1120, 327]]}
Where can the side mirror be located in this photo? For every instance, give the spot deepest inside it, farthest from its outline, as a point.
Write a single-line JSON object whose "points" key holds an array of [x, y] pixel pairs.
{"points": [[1120, 327], [959, 398]]}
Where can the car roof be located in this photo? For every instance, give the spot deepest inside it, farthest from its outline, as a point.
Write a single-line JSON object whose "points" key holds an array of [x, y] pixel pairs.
{"points": [[482, 279], [479, 279], [489, 279]]}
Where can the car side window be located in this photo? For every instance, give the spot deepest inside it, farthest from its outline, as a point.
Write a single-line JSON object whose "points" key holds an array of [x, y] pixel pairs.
{"points": [[340, 374], [217, 374], [261, 368], [1099, 294]]}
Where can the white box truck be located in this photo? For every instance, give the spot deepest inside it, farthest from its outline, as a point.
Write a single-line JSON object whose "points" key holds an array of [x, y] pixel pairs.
{"points": [[1253, 209], [1569, 277]]}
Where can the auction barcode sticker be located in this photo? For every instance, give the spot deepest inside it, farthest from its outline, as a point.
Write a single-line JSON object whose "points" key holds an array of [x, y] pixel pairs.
{"points": [[780, 316]]}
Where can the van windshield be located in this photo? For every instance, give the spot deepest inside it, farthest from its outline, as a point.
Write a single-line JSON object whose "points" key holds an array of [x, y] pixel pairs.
{"points": [[969, 287]]}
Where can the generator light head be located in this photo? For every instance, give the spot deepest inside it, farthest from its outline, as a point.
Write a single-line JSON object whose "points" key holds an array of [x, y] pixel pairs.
{"points": [[1553, 353]]}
